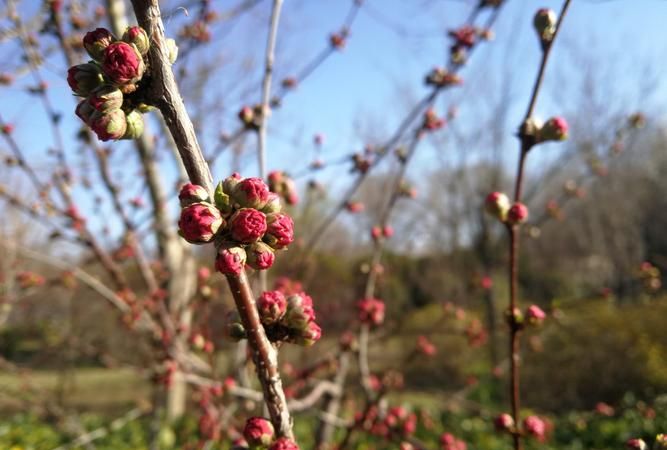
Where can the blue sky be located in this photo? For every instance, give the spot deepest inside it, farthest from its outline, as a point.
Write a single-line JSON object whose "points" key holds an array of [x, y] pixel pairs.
{"points": [[366, 89]]}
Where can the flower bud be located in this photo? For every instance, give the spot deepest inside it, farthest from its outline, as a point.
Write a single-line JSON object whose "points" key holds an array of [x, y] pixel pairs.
{"points": [[96, 41], [137, 36], [498, 205], [279, 231], [106, 98], [230, 182], [636, 444], [371, 311], [260, 256], [284, 443], [199, 222], [517, 214], [192, 193], [273, 204], [545, 24], [235, 329], [251, 193], [122, 63], [84, 111], [135, 125], [222, 201], [300, 311], [230, 259], [504, 422], [172, 48], [535, 316], [514, 317], [258, 432], [84, 78], [311, 334], [272, 306], [535, 427], [248, 225], [555, 129], [109, 125]]}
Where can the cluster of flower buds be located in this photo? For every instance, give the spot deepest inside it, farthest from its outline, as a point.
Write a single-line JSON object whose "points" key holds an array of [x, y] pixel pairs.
{"points": [[379, 233], [361, 163], [283, 185], [554, 129], [27, 279], [286, 318], [339, 39], [244, 221], [533, 316], [637, 120], [354, 207], [106, 82], [432, 122], [650, 277], [440, 77], [371, 311], [449, 442], [255, 429], [395, 422], [498, 205], [545, 21], [251, 117]]}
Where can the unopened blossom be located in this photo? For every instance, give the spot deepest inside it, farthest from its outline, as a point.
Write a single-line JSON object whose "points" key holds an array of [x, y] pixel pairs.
{"points": [[96, 41], [554, 129], [517, 214], [498, 205], [84, 78], [192, 193], [371, 311], [279, 230], [535, 315], [504, 422], [230, 260], [251, 193], [536, 427], [138, 37], [284, 443], [199, 222], [122, 63], [272, 306], [248, 225], [258, 432], [260, 256], [108, 126]]}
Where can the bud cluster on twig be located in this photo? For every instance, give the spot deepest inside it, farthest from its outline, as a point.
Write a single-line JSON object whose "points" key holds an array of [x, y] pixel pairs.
{"points": [[109, 82], [243, 220]]}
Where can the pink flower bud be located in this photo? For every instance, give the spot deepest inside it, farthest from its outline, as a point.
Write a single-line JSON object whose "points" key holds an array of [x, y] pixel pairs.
{"points": [[273, 204], [425, 346], [535, 427], [258, 432], [504, 422], [337, 40], [84, 78], [545, 24], [110, 125], [192, 193], [284, 443], [96, 41], [535, 315], [260, 256], [251, 193], [498, 205], [135, 125], [84, 111], [300, 311], [555, 129], [106, 98], [279, 231], [230, 260], [137, 36], [636, 444], [464, 36], [517, 214], [354, 207], [199, 222], [449, 442], [432, 122], [387, 231], [247, 225], [371, 311], [376, 233], [311, 334], [123, 63], [272, 306]]}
